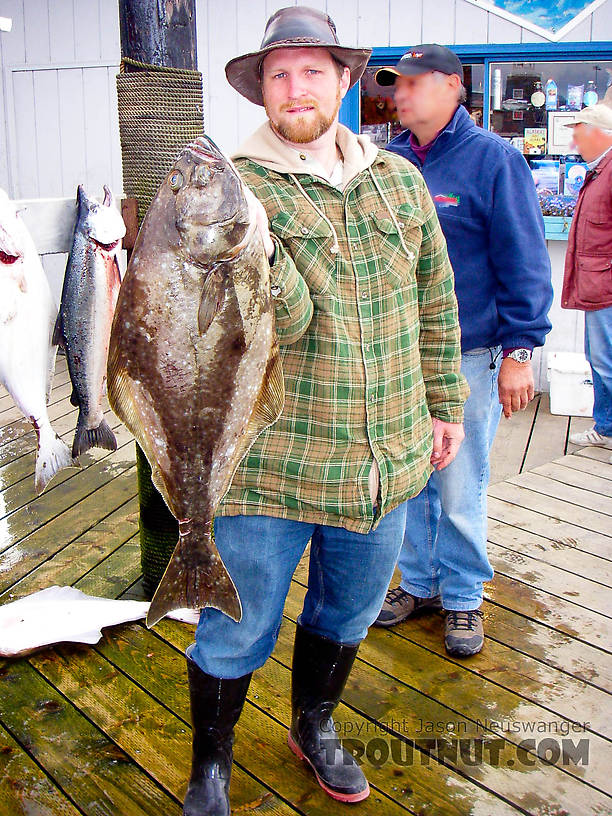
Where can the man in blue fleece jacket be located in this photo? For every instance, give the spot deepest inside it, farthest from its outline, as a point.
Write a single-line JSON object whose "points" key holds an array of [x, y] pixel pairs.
{"points": [[489, 213]]}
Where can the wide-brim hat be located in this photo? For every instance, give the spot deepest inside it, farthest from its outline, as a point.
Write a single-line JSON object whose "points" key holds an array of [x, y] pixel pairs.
{"points": [[293, 27]]}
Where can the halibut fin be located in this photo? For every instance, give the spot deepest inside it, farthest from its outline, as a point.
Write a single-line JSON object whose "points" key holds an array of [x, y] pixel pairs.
{"points": [[213, 293], [266, 410], [123, 393], [52, 455], [270, 403], [50, 371]]}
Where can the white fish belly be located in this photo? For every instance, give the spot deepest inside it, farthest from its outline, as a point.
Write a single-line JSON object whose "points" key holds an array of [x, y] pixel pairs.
{"points": [[25, 341]]}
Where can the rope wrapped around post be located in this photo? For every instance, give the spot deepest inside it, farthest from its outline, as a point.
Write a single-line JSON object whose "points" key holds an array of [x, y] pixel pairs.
{"points": [[160, 111]]}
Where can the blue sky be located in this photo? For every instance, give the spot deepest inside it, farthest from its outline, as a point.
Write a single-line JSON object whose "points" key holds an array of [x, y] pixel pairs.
{"points": [[551, 15]]}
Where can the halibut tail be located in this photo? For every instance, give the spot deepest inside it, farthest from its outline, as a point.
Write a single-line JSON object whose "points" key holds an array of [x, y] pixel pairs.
{"points": [[195, 577]]}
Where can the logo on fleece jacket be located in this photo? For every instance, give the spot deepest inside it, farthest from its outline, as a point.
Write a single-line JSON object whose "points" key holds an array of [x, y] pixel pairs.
{"points": [[446, 200]]}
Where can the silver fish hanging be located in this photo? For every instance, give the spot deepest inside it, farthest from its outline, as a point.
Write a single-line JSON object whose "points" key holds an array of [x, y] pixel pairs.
{"points": [[27, 355], [89, 295]]}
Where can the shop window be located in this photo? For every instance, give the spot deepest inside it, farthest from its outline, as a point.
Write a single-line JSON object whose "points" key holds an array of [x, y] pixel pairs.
{"points": [[530, 104], [527, 96], [378, 115]]}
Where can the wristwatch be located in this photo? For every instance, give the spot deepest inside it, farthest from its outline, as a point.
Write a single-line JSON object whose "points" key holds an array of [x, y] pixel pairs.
{"points": [[521, 355]]}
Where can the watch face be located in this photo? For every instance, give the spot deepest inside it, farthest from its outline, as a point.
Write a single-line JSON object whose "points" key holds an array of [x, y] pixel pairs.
{"points": [[520, 355]]}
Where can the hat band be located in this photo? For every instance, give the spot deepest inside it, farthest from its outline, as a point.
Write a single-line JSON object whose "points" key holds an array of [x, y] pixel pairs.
{"points": [[296, 40]]}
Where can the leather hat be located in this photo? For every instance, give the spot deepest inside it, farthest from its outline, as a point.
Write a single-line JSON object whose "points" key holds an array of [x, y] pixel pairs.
{"points": [[293, 27]]}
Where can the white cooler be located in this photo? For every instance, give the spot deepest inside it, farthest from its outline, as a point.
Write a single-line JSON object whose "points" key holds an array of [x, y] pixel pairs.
{"points": [[571, 384]]}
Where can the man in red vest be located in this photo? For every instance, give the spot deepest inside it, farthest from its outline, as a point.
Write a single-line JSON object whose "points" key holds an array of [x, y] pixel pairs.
{"points": [[587, 283]]}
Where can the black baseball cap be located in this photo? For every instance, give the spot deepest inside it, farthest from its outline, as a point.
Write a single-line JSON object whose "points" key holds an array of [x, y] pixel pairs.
{"points": [[419, 60]]}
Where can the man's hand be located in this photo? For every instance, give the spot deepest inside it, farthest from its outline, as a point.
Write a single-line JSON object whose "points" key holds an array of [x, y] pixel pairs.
{"points": [[515, 385], [261, 217], [447, 438]]}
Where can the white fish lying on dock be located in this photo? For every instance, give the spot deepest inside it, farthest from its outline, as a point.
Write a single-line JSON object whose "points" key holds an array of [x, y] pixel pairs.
{"points": [[27, 355], [60, 614]]}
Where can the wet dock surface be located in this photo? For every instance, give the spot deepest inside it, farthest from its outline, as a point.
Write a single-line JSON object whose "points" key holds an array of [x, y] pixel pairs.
{"points": [[524, 727]]}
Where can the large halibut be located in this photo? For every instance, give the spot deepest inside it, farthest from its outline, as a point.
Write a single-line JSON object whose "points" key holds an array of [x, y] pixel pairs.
{"points": [[193, 367]]}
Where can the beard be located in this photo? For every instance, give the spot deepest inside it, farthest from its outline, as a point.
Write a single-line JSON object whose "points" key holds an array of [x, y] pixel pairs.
{"points": [[303, 129]]}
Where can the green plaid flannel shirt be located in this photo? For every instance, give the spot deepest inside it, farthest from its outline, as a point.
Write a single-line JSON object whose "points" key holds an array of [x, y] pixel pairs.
{"points": [[370, 347]]}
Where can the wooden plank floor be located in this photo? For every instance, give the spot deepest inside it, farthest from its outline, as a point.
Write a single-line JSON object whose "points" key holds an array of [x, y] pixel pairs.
{"points": [[524, 727]]}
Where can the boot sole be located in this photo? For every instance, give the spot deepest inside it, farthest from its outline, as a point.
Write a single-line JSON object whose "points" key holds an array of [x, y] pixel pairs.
{"points": [[341, 797], [462, 651]]}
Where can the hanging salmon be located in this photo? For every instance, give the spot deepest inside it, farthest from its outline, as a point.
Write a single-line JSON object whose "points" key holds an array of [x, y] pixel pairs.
{"points": [[89, 295]]}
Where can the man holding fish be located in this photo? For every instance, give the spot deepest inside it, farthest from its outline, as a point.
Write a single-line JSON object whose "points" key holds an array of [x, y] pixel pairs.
{"points": [[367, 324]]}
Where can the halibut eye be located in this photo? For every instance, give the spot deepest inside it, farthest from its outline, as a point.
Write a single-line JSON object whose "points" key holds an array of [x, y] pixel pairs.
{"points": [[176, 180], [203, 174]]}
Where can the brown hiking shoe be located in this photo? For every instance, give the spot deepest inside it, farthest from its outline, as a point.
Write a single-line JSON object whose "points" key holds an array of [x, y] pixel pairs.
{"points": [[400, 605], [463, 632]]}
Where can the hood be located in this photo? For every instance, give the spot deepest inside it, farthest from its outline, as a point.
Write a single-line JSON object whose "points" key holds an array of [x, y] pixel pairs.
{"points": [[265, 148]]}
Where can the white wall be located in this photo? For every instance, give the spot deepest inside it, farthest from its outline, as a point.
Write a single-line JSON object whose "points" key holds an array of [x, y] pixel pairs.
{"points": [[59, 103]]}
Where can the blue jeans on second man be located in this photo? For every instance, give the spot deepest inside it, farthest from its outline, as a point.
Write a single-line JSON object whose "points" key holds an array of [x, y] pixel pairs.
{"points": [[445, 543], [598, 351], [347, 580]]}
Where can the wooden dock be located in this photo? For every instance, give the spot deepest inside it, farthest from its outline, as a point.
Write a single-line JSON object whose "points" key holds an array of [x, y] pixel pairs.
{"points": [[524, 727]]}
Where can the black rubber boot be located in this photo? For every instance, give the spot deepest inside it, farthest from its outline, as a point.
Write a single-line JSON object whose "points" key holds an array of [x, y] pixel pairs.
{"points": [[320, 670], [215, 707]]}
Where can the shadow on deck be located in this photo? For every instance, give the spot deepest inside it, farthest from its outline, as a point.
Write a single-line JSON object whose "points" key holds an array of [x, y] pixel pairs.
{"points": [[524, 727]]}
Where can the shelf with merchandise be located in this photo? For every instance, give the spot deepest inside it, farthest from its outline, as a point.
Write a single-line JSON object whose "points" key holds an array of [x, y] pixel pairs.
{"points": [[531, 101], [558, 180], [557, 211]]}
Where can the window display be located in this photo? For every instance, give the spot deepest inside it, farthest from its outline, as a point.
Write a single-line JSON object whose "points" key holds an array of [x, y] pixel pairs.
{"points": [[523, 94], [529, 105]]}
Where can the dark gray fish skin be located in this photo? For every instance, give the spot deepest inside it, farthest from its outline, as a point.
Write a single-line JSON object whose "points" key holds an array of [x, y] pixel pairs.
{"points": [[193, 367], [89, 294]]}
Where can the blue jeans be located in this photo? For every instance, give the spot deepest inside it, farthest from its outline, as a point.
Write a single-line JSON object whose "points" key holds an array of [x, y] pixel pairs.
{"points": [[445, 544], [598, 351], [347, 580]]}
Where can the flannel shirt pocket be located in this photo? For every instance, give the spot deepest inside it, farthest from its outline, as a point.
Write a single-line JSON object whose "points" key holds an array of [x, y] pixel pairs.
{"points": [[309, 240], [399, 265]]}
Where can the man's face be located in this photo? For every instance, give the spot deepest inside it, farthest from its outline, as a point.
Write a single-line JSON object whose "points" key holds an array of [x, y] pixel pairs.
{"points": [[421, 98], [302, 92], [584, 140]]}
